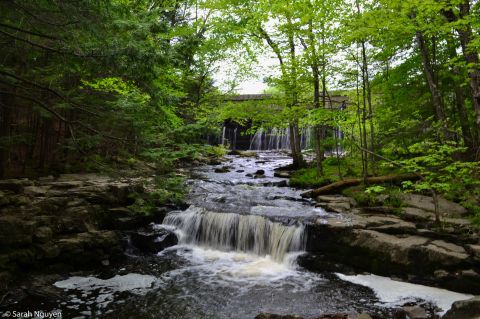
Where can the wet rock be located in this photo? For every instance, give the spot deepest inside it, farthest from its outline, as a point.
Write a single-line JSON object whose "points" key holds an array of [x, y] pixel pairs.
{"points": [[411, 312], [260, 172], [443, 253], [335, 316], [464, 309], [153, 241], [88, 247], [214, 162], [282, 174], [20, 200], [48, 250], [441, 274], [234, 152], [396, 249], [14, 185], [336, 199], [122, 218], [417, 214], [247, 154], [43, 234], [445, 207], [475, 251], [274, 316], [390, 225], [15, 231], [278, 184], [224, 169], [36, 190], [4, 199], [62, 185], [336, 204], [336, 207]]}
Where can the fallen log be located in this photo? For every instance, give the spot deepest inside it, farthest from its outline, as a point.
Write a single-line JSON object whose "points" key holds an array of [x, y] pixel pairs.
{"points": [[334, 187]]}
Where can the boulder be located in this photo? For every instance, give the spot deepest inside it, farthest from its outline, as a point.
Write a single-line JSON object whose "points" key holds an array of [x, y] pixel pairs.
{"points": [[48, 250], [445, 207], [389, 225], [43, 234], [395, 249], [62, 185], [153, 241], [36, 190], [411, 312], [475, 251], [445, 254], [88, 247], [224, 169], [274, 316], [260, 172], [283, 174], [417, 215], [14, 185], [335, 207], [336, 198], [15, 231], [464, 309]]}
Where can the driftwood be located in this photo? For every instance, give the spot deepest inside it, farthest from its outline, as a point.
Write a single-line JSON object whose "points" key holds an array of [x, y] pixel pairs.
{"points": [[331, 188]]}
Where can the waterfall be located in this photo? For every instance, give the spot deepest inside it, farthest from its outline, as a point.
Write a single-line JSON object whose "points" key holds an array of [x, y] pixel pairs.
{"points": [[278, 139], [235, 232], [223, 135]]}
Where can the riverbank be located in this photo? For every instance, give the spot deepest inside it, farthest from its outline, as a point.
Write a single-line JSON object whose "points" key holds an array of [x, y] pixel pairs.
{"points": [[243, 233]]}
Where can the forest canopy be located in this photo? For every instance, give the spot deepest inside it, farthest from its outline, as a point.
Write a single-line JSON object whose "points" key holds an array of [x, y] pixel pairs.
{"points": [[84, 83]]}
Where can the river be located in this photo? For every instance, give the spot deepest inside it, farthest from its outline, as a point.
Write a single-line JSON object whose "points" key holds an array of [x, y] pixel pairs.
{"points": [[237, 257]]}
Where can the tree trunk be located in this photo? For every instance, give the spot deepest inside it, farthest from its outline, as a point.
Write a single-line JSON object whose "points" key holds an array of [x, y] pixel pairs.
{"points": [[4, 132], [432, 85], [316, 102], [471, 57], [368, 91], [460, 99], [295, 141], [334, 187]]}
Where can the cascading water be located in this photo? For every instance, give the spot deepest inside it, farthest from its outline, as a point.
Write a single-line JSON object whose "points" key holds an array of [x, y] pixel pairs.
{"points": [[236, 257], [235, 232], [278, 139]]}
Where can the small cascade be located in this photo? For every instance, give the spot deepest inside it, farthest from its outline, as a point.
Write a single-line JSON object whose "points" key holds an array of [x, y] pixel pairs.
{"points": [[235, 232], [224, 129], [278, 139]]}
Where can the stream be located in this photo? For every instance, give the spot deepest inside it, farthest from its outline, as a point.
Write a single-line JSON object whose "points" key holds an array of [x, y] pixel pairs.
{"points": [[236, 257]]}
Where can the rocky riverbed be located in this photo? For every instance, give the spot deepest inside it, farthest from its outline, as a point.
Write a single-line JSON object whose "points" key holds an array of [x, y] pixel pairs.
{"points": [[69, 222], [247, 244], [406, 244]]}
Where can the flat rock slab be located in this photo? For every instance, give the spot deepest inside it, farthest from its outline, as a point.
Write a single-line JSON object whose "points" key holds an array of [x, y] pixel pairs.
{"points": [[445, 207], [475, 250], [390, 225], [335, 198], [395, 248], [417, 214], [444, 253]]}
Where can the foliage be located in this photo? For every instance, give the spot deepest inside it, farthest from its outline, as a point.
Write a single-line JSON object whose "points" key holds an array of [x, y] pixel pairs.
{"points": [[162, 190], [441, 172], [309, 177]]}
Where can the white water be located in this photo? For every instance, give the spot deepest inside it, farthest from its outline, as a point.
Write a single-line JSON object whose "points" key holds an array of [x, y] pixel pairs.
{"points": [[234, 232], [396, 293], [278, 139], [233, 261], [103, 291]]}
